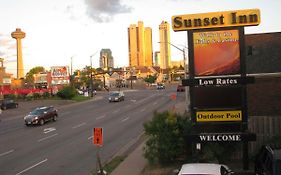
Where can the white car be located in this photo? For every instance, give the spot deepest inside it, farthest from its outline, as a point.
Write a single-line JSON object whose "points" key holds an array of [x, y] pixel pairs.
{"points": [[204, 169]]}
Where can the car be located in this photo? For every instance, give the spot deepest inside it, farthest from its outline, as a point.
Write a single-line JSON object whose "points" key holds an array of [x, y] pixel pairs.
{"points": [[116, 96], [160, 86], [180, 88], [8, 103], [268, 160], [40, 115], [204, 169]]}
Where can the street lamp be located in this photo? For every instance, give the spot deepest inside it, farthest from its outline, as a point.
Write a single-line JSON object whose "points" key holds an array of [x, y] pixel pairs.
{"points": [[91, 66], [185, 72]]}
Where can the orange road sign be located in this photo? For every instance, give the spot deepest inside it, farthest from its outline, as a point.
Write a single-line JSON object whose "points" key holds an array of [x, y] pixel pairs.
{"points": [[173, 96], [97, 139]]}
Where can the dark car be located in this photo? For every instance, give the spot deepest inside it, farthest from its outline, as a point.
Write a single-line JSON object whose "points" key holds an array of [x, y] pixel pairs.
{"points": [[116, 96], [41, 115], [180, 88], [268, 160], [8, 103]]}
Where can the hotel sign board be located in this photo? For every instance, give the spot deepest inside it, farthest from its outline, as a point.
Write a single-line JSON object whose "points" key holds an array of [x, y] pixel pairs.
{"points": [[235, 18], [219, 116], [222, 137]]}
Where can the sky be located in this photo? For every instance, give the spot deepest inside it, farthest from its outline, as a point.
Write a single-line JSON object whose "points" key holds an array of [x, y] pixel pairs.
{"points": [[58, 31]]}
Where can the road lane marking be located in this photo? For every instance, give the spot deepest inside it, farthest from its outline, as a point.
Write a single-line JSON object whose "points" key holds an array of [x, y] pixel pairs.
{"points": [[32, 166], [8, 152], [133, 101], [47, 130], [100, 117], [45, 138], [89, 138], [127, 118], [155, 103], [77, 126]]}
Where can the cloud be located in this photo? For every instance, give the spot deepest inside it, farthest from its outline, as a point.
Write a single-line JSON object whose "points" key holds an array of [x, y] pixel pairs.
{"points": [[104, 10]]}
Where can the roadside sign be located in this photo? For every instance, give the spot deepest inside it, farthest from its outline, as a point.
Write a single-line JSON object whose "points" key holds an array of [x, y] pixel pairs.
{"points": [[97, 139]]}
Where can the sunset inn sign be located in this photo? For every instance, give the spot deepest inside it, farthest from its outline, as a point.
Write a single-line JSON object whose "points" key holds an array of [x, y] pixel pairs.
{"points": [[216, 20], [217, 75]]}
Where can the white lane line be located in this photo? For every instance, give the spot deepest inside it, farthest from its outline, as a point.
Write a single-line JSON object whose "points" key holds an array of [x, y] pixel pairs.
{"points": [[32, 166], [77, 126], [143, 109], [127, 118], [45, 138], [155, 103], [100, 117], [47, 130], [117, 110], [89, 138], [8, 152]]}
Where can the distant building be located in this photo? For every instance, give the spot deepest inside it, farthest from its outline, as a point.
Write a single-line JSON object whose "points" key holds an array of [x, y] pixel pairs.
{"points": [[157, 58], [5, 78], [106, 59], [263, 52], [165, 48], [140, 45], [177, 63]]}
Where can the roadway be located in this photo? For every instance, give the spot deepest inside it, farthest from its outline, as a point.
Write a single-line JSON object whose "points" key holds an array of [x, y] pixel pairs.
{"points": [[65, 146]]}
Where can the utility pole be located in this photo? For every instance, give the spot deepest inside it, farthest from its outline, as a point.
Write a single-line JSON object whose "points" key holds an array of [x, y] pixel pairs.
{"points": [[91, 72], [187, 100]]}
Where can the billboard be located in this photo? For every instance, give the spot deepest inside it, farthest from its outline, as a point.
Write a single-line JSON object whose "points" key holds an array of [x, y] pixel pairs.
{"points": [[216, 53], [60, 75]]}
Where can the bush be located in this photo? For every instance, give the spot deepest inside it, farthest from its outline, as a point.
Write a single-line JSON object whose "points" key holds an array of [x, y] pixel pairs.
{"points": [[67, 92], [167, 137], [46, 95], [10, 96], [36, 95], [29, 96], [220, 152]]}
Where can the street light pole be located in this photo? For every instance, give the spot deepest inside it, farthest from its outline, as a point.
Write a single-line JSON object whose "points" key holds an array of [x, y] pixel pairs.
{"points": [[91, 83], [91, 76], [187, 100]]}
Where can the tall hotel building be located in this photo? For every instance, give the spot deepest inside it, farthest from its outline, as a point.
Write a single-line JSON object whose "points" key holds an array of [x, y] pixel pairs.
{"points": [[106, 59], [165, 49], [140, 45]]}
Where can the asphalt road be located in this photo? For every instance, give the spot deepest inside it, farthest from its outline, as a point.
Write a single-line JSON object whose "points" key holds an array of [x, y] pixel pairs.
{"points": [[65, 147]]}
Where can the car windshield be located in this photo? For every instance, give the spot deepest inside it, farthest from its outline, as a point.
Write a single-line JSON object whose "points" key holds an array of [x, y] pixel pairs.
{"points": [[114, 94], [37, 112]]}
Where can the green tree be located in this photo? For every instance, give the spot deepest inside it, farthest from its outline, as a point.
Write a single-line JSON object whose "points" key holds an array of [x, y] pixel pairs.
{"points": [[150, 79], [67, 92], [167, 137], [35, 70]]}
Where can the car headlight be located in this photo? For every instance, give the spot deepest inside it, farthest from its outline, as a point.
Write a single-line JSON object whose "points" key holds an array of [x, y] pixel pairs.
{"points": [[36, 118], [116, 98]]}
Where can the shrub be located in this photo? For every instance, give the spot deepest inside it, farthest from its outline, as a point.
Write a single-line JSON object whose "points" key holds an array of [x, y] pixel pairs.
{"points": [[10, 96], [46, 95], [67, 92], [36, 95], [166, 142], [29, 96]]}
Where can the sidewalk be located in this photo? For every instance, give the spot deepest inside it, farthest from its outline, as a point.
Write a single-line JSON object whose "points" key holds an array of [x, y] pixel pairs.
{"points": [[133, 164]]}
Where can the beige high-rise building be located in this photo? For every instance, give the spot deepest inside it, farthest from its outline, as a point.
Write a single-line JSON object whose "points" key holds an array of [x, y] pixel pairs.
{"points": [[18, 35], [165, 48], [140, 45]]}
